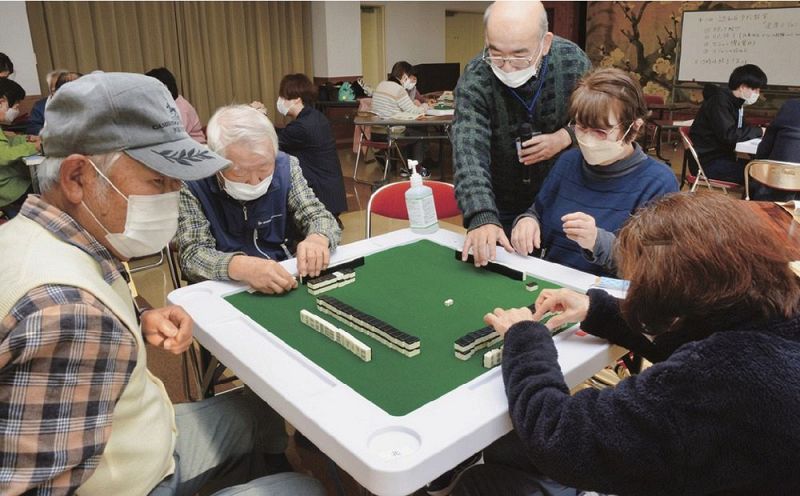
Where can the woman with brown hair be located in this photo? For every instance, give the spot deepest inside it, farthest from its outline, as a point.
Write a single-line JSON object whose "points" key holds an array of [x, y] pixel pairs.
{"points": [[592, 190], [713, 302], [308, 136]]}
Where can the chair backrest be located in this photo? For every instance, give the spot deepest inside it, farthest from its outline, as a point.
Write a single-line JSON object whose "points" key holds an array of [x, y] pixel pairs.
{"points": [[779, 175], [656, 99], [390, 201]]}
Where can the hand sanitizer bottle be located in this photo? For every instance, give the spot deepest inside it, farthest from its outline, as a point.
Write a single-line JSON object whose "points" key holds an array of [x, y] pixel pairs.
{"points": [[420, 205]]}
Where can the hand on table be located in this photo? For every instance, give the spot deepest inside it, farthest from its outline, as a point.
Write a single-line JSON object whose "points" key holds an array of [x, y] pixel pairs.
{"points": [[501, 320], [483, 241], [266, 276], [580, 228], [526, 236], [313, 255], [259, 106], [37, 141], [544, 146], [569, 306], [169, 328]]}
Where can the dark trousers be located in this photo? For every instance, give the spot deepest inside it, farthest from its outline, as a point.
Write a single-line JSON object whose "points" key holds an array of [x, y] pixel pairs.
{"points": [[508, 471], [724, 169]]}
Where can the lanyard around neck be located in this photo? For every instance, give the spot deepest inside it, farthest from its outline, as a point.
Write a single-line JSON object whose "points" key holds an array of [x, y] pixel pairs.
{"points": [[532, 105]]}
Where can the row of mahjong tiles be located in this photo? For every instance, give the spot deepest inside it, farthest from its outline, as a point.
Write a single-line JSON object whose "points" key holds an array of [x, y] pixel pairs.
{"points": [[405, 286]]}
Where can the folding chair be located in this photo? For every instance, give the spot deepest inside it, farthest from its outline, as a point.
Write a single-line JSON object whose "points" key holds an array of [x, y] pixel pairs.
{"points": [[784, 176], [390, 201], [365, 141], [687, 177], [652, 132]]}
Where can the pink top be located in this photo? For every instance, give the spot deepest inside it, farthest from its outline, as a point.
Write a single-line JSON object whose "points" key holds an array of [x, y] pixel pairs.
{"points": [[190, 119]]}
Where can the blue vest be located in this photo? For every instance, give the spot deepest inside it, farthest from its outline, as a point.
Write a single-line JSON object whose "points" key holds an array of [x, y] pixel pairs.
{"points": [[258, 227]]}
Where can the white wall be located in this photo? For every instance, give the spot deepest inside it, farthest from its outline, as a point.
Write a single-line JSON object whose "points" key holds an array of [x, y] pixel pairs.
{"points": [[415, 30], [15, 41], [336, 33]]}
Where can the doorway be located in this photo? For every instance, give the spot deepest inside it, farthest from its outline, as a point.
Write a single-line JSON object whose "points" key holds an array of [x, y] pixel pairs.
{"points": [[373, 45], [463, 36]]}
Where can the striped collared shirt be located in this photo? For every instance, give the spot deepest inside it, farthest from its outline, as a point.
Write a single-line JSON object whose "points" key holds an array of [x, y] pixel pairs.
{"points": [[64, 362]]}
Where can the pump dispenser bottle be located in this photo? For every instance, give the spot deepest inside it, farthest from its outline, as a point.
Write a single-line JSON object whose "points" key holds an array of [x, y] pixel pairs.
{"points": [[420, 205]]}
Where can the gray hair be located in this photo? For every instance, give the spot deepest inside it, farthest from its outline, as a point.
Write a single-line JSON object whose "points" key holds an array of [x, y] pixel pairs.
{"points": [[47, 172], [544, 27], [240, 125], [52, 76]]}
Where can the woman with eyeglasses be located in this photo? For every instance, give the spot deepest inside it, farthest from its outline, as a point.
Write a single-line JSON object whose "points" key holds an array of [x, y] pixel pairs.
{"points": [[592, 190], [714, 304]]}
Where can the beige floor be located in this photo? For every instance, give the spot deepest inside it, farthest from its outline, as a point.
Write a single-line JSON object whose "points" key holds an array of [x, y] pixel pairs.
{"points": [[154, 285]]}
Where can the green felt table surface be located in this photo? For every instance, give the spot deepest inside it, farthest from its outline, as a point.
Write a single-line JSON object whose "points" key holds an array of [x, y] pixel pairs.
{"points": [[405, 286]]}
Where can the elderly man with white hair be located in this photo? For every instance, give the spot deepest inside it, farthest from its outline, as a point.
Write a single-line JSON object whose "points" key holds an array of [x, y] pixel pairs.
{"points": [[517, 87], [79, 411], [238, 224]]}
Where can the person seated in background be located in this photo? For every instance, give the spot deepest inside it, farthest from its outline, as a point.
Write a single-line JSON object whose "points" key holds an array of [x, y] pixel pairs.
{"points": [[36, 119], [389, 98], [89, 417], [6, 66], [238, 224], [591, 191], [66, 77], [411, 88], [781, 142], [715, 414], [189, 117], [719, 124], [308, 136], [15, 178]]}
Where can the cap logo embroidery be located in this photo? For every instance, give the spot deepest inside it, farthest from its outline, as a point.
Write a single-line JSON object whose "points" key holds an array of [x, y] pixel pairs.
{"points": [[184, 157]]}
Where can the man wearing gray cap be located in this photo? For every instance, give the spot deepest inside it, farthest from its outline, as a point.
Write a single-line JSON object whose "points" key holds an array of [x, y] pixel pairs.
{"points": [[78, 408]]}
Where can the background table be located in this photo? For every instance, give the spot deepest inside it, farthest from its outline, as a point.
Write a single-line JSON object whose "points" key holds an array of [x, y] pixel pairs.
{"points": [[748, 148], [387, 453]]}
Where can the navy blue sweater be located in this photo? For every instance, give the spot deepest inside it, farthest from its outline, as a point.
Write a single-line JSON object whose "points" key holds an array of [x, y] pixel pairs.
{"points": [[719, 415], [610, 194]]}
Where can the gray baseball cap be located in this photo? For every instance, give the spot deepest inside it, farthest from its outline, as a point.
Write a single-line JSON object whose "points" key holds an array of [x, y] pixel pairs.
{"points": [[106, 112]]}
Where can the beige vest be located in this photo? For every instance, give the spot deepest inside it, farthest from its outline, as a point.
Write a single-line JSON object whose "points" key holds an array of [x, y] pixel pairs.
{"points": [[139, 452]]}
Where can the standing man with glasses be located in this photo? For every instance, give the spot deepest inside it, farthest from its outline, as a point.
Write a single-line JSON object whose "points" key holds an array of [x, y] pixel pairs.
{"points": [[525, 75]]}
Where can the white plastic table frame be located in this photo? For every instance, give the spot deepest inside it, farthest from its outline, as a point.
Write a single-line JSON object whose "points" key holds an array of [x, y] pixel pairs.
{"points": [[387, 455]]}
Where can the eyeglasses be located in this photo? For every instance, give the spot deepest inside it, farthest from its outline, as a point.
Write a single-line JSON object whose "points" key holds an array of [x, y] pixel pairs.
{"points": [[599, 134], [515, 62]]}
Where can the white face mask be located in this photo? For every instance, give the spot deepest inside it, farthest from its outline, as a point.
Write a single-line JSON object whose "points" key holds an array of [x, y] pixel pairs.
{"points": [[753, 98], [409, 84], [150, 223], [602, 152], [518, 78], [11, 114], [282, 107], [244, 191]]}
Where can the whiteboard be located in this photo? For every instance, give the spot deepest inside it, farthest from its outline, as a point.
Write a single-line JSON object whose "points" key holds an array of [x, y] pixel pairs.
{"points": [[713, 43]]}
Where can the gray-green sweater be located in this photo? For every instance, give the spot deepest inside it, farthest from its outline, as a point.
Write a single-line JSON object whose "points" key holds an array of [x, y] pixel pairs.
{"points": [[488, 176]]}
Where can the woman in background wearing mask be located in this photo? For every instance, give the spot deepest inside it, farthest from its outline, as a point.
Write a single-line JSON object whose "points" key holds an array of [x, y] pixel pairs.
{"points": [[592, 190], [308, 136], [390, 98], [15, 179]]}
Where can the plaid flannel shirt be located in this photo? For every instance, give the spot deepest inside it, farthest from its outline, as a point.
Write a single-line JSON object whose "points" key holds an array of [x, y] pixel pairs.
{"points": [[64, 362], [199, 257]]}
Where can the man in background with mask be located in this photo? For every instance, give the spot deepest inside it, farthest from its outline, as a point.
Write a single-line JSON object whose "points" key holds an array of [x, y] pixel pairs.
{"points": [[719, 124], [238, 224], [15, 178], [81, 413], [524, 75]]}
